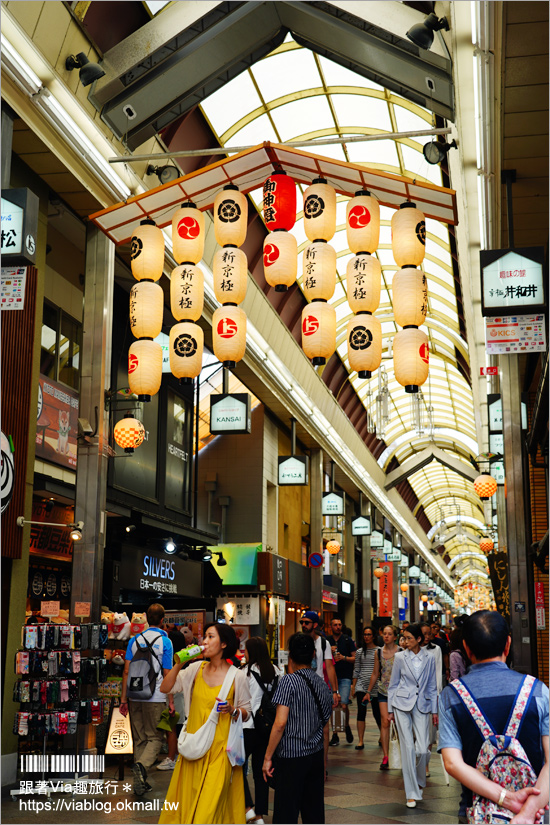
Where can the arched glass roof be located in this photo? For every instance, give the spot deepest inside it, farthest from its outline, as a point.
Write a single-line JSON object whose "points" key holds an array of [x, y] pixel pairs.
{"points": [[294, 94]]}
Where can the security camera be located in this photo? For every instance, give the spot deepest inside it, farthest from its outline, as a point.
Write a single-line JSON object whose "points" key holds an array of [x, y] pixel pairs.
{"points": [[84, 427]]}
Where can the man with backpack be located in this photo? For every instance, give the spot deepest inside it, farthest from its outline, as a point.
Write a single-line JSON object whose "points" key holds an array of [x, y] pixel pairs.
{"points": [[343, 649], [149, 658], [493, 730]]}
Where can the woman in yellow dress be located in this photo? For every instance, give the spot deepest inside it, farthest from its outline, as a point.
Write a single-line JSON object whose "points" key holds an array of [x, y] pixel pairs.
{"points": [[208, 790]]}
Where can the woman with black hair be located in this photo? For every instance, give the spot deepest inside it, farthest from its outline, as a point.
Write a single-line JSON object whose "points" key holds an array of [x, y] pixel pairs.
{"points": [[458, 660], [263, 676], [365, 659], [208, 789]]}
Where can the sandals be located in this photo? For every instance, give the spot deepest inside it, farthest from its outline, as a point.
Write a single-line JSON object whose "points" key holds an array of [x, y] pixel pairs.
{"points": [[359, 747]]}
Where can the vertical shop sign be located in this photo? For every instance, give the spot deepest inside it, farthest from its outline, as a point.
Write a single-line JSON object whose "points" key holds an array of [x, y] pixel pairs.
{"points": [[498, 570], [385, 590], [178, 450], [540, 612]]}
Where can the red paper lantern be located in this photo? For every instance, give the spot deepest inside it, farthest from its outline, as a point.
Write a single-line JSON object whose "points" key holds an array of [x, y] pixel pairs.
{"points": [[279, 204]]}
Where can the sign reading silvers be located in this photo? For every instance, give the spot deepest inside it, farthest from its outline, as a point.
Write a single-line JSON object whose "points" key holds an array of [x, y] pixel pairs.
{"points": [[141, 569], [293, 469], [230, 413], [360, 526], [512, 280], [332, 505]]}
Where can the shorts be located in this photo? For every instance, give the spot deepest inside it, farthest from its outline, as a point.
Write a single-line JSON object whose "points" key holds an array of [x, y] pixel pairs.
{"points": [[382, 698], [344, 688]]}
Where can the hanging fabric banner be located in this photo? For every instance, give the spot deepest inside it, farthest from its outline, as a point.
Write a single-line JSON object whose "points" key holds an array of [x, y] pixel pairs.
{"points": [[498, 570]]}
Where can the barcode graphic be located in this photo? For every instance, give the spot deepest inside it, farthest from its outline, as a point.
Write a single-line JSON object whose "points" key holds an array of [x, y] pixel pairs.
{"points": [[62, 763]]}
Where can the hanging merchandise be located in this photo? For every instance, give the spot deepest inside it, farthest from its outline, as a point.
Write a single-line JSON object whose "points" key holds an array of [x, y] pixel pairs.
{"points": [[363, 222], [318, 331], [280, 260], [411, 356], [230, 271], [363, 275], [364, 344], [320, 211], [319, 274], [229, 334], [186, 348], [279, 202], [485, 486], [129, 433], [188, 234], [146, 309], [145, 368], [230, 216], [408, 229], [409, 297]]}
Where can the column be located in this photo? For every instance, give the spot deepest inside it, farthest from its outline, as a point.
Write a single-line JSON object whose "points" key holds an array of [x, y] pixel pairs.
{"points": [[92, 461], [316, 523], [366, 509], [516, 502]]}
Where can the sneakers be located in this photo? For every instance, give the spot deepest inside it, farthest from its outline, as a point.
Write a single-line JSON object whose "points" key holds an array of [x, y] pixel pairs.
{"points": [[411, 803], [385, 765], [148, 787], [140, 775], [349, 735], [166, 765], [335, 739]]}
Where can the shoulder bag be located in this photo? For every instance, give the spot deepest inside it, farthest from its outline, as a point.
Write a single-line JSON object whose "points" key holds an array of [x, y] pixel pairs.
{"points": [[194, 745]]}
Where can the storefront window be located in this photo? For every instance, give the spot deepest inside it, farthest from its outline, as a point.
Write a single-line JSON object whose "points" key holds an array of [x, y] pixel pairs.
{"points": [[60, 347]]}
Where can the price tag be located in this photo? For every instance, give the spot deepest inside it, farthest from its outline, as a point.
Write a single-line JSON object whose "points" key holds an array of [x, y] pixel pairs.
{"points": [[82, 609], [49, 609]]}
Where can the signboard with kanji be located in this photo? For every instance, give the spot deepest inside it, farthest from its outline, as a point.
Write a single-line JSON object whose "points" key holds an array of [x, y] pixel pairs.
{"points": [[540, 612], [512, 280], [385, 590], [243, 611]]}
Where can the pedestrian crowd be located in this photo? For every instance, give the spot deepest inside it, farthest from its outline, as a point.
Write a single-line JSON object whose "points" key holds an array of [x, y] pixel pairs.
{"points": [[235, 731]]}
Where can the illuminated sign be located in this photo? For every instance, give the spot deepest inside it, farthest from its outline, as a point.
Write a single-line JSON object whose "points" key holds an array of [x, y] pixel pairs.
{"points": [[230, 413], [293, 470], [360, 526]]}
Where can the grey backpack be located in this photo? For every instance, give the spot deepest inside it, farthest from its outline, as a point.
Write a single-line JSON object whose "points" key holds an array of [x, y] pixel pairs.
{"points": [[142, 675]]}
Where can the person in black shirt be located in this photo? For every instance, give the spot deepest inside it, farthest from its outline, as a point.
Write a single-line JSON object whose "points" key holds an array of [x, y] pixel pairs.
{"points": [[343, 650], [439, 639], [304, 705]]}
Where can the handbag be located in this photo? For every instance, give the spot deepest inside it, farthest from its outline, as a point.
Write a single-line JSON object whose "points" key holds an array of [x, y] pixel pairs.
{"points": [[235, 742], [194, 745], [394, 752]]}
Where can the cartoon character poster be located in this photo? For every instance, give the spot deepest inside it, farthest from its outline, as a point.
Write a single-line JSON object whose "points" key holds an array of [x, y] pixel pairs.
{"points": [[56, 423]]}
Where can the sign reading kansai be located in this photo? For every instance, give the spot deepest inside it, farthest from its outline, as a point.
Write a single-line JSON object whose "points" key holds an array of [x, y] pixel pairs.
{"points": [[293, 469], [360, 526], [332, 504], [230, 413]]}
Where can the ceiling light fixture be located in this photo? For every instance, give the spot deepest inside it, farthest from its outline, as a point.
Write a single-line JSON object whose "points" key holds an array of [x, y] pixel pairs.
{"points": [[88, 71], [170, 547], [130, 528], [206, 554], [75, 527], [221, 560], [76, 531], [165, 174], [422, 34], [436, 152]]}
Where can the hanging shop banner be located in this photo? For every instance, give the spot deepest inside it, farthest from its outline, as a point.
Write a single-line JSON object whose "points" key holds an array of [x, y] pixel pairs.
{"points": [[47, 540], [376, 539], [230, 413], [19, 226], [498, 570], [508, 335], [148, 572], [332, 504], [360, 526], [385, 590], [512, 280], [243, 611], [293, 470], [13, 287], [56, 423], [540, 612]]}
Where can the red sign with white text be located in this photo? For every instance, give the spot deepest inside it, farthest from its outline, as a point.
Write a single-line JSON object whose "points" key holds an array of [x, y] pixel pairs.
{"points": [[488, 370], [385, 590]]}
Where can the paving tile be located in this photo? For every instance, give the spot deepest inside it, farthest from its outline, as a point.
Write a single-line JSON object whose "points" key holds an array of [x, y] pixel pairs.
{"points": [[431, 819], [351, 817], [391, 809]]}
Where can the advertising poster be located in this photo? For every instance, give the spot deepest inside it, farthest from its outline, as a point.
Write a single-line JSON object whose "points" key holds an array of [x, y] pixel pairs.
{"points": [[56, 423], [385, 590]]}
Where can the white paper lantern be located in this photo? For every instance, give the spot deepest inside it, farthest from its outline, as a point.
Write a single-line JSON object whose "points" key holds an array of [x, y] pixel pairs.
{"points": [[363, 222], [280, 260], [363, 276], [230, 216], [188, 234], [364, 344], [320, 211], [187, 292], [146, 309], [411, 358], [410, 297], [408, 230], [147, 251], [319, 274], [230, 275], [319, 331], [145, 368], [186, 349], [229, 334]]}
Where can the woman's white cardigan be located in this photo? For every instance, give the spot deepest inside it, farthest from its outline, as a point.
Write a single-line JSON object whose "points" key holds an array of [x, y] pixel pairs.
{"points": [[185, 682]]}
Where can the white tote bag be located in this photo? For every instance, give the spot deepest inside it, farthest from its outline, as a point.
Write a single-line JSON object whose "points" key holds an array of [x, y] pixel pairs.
{"points": [[394, 753], [194, 745]]}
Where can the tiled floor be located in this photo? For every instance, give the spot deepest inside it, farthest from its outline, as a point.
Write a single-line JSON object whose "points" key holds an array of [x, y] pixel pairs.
{"points": [[356, 792]]}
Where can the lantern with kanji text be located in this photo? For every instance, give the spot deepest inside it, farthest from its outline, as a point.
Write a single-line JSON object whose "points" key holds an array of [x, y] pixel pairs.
{"points": [[279, 202], [146, 309], [363, 274], [187, 292], [230, 271], [319, 275], [409, 297]]}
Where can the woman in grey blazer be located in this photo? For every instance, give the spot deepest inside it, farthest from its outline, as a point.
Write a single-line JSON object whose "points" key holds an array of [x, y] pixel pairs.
{"points": [[412, 696]]}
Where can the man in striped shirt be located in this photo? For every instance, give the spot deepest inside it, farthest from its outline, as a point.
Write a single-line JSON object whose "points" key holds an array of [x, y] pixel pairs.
{"points": [[304, 705]]}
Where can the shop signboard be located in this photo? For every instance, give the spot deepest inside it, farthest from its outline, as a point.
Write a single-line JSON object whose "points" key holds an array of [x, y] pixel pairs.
{"points": [[19, 226], [230, 413], [376, 539], [241, 569], [49, 609], [360, 526], [148, 572], [497, 471], [49, 541], [179, 426], [498, 571], [273, 573], [293, 470], [392, 553], [330, 597], [332, 504], [540, 612], [404, 562], [244, 610], [14, 279], [511, 334], [385, 590], [414, 576], [56, 423], [512, 280]]}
